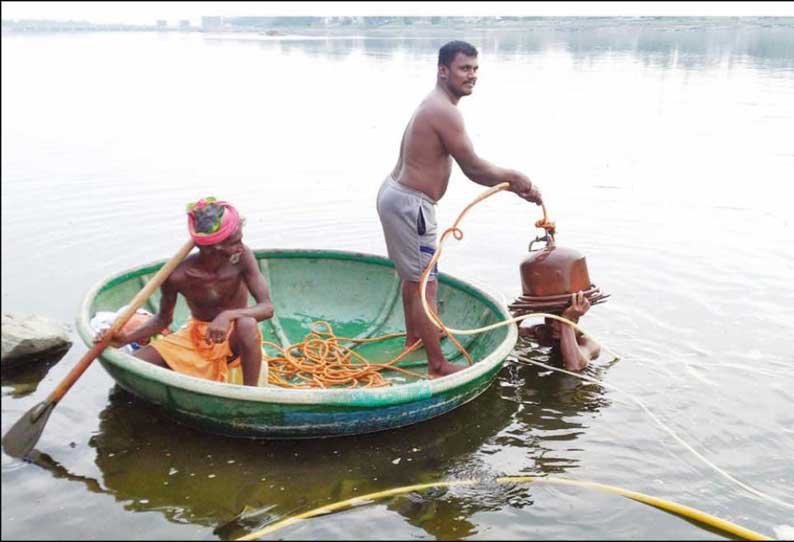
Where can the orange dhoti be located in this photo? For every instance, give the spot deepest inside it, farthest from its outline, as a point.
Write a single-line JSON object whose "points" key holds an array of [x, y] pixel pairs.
{"points": [[186, 351]]}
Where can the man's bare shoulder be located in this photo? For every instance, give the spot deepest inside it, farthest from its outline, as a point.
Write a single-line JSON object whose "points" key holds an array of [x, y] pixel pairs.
{"points": [[249, 261], [438, 110], [182, 271]]}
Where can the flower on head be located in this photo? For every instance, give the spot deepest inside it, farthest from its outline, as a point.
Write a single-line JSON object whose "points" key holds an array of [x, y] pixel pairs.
{"points": [[200, 204]]}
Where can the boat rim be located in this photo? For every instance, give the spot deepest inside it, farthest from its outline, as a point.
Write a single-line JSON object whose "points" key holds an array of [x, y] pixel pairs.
{"points": [[272, 394]]}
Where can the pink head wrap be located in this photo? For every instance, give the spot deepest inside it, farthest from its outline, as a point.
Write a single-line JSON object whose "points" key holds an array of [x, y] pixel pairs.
{"points": [[228, 223]]}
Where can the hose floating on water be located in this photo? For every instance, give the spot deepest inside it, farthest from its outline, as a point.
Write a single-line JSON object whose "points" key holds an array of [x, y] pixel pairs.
{"points": [[681, 510]]}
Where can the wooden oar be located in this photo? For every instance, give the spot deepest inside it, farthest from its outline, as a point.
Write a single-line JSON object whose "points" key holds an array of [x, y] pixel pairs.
{"points": [[22, 437]]}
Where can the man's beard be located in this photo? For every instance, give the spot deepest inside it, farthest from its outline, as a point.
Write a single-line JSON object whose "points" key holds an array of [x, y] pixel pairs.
{"points": [[462, 91]]}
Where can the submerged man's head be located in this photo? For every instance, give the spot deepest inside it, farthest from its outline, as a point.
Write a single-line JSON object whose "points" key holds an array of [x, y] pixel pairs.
{"points": [[457, 67], [548, 333]]}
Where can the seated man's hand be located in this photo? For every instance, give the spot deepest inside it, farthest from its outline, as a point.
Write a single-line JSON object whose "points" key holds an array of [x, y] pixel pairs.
{"points": [[578, 307], [119, 339], [217, 330]]}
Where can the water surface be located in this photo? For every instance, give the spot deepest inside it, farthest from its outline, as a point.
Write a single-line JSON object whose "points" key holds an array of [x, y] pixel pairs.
{"points": [[664, 155]]}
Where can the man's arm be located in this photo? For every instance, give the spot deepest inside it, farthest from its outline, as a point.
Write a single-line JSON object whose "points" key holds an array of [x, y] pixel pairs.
{"points": [[576, 354], [572, 357], [450, 128], [256, 284], [153, 325], [258, 287]]}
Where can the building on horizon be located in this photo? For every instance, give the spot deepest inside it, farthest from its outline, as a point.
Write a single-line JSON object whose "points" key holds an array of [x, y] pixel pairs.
{"points": [[211, 23]]}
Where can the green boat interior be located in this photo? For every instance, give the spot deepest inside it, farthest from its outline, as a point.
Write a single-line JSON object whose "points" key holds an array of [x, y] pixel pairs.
{"points": [[358, 295]]}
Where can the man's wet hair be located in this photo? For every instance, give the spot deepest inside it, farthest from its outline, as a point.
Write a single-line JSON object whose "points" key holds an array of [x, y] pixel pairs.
{"points": [[208, 218], [447, 53]]}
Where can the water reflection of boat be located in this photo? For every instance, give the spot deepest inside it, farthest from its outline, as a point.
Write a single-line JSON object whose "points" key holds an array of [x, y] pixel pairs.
{"points": [[234, 486], [358, 294]]}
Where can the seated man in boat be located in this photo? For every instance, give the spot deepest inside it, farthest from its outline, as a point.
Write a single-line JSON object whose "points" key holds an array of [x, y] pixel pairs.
{"points": [[571, 345], [215, 282]]}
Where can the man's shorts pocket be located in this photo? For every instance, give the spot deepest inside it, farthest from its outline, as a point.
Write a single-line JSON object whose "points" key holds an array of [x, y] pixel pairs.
{"points": [[421, 226]]}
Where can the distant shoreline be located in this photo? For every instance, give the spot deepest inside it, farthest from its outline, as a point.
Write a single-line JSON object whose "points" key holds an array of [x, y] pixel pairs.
{"points": [[444, 25]]}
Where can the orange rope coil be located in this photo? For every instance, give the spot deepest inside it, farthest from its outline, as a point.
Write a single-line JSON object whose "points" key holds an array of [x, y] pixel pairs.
{"points": [[322, 361]]}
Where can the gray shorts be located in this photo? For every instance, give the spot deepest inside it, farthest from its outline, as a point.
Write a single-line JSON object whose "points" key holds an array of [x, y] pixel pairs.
{"points": [[408, 218]]}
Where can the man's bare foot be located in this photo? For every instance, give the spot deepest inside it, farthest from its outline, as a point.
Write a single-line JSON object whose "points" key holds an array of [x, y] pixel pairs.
{"points": [[446, 368]]}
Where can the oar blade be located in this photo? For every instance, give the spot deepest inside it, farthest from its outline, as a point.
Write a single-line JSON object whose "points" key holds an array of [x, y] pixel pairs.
{"points": [[23, 436]]}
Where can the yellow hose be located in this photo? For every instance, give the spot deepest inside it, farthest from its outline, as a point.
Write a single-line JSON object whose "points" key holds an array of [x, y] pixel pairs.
{"points": [[349, 503], [685, 511]]}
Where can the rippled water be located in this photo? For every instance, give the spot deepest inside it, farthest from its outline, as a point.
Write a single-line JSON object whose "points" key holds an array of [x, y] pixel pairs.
{"points": [[664, 153]]}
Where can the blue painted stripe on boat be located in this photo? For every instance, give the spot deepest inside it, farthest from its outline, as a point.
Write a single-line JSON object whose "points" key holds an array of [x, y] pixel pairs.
{"points": [[415, 391]]}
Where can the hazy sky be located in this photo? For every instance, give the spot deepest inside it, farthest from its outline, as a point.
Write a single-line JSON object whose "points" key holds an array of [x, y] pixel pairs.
{"points": [[148, 12]]}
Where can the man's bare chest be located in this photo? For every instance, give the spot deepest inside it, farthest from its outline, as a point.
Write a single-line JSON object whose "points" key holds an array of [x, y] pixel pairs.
{"points": [[211, 289]]}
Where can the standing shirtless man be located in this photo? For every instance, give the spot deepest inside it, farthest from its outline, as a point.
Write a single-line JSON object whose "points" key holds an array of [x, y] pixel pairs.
{"points": [[407, 198]]}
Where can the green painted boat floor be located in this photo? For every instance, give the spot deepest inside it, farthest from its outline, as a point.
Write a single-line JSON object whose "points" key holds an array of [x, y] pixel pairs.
{"points": [[358, 295]]}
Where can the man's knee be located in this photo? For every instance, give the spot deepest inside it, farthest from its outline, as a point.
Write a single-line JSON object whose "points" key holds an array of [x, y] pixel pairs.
{"points": [[246, 328], [150, 354]]}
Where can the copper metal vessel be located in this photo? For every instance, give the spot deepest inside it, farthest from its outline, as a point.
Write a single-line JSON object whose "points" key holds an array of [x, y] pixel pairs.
{"points": [[548, 278], [554, 271]]}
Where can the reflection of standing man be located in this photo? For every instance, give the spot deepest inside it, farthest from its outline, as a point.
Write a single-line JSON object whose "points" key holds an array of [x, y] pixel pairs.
{"points": [[406, 200]]}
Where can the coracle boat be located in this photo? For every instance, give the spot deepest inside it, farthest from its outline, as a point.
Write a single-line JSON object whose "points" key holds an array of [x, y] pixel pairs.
{"points": [[359, 295]]}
